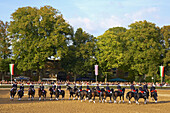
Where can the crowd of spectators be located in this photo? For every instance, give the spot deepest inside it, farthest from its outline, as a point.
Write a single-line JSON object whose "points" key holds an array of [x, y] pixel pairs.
{"points": [[84, 83]]}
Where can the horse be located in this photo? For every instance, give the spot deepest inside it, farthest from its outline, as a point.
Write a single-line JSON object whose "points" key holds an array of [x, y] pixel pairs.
{"points": [[20, 94], [60, 92], [141, 94], [154, 95], [12, 93], [109, 94], [131, 94], [52, 92], [120, 94], [73, 92], [93, 94], [41, 93], [31, 93], [83, 94]]}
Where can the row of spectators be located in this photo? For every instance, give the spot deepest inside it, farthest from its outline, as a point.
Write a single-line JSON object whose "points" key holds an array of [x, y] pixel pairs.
{"points": [[80, 82]]}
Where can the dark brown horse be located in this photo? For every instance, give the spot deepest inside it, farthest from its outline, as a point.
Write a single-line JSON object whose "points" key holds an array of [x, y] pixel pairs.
{"points": [[60, 92], [20, 94], [41, 93], [83, 94], [131, 94], [118, 94], [52, 92], [94, 93], [12, 93], [31, 92], [73, 92]]}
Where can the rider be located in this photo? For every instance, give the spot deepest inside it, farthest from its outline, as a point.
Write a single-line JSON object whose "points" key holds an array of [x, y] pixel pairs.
{"points": [[32, 87], [75, 87], [53, 87], [80, 88], [141, 89], [14, 86], [145, 87], [59, 87], [132, 87], [98, 89], [108, 88], [21, 88], [153, 89], [87, 88], [42, 87], [119, 88]]}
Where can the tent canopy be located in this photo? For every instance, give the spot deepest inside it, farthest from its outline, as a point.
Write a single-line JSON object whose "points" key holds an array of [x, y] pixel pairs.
{"points": [[117, 80], [22, 78]]}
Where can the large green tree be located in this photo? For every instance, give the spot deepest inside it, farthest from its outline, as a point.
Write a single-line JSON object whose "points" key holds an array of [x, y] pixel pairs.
{"points": [[144, 48], [37, 35], [80, 58], [5, 52], [165, 31], [111, 47]]}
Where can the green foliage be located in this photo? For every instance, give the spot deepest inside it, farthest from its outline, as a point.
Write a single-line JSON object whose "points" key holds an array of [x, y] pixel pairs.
{"points": [[110, 48], [165, 31], [144, 48], [80, 56], [4, 47], [37, 35]]}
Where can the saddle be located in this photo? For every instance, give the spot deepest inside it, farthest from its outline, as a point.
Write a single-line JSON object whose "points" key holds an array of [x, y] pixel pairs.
{"points": [[153, 91], [98, 91], [133, 90], [109, 91], [120, 90], [142, 92]]}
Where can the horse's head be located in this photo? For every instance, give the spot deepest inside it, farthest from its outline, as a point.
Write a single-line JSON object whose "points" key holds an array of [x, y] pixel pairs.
{"points": [[68, 88]]}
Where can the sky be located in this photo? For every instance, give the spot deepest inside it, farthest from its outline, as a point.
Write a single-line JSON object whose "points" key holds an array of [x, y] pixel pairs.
{"points": [[97, 16]]}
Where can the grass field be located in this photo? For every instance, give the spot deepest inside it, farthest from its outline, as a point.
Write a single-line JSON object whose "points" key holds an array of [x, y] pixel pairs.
{"points": [[75, 106]]}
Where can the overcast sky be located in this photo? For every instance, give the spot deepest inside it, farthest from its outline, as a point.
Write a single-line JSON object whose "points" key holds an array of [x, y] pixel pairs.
{"points": [[97, 16]]}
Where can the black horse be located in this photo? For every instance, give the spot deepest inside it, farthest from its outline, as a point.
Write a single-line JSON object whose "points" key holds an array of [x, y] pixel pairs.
{"points": [[31, 93], [41, 93], [83, 94], [131, 94], [154, 95], [109, 94], [73, 92], [94, 93], [60, 92], [120, 94], [52, 92], [12, 93], [20, 94], [141, 94]]}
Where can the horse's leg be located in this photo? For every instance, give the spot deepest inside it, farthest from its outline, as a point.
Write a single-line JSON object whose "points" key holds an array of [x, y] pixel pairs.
{"points": [[120, 99]]}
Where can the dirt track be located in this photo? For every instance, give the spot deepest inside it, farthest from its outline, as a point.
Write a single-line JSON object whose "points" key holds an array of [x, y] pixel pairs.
{"points": [[72, 106]]}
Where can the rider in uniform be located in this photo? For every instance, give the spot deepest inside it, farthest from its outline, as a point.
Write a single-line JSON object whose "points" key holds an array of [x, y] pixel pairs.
{"points": [[145, 87], [153, 89], [21, 88], [53, 87], [14, 86], [87, 88], [42, 88], [108, 88], [141, 89], [32, 87], [80, 88], [59, 87], [119, 88], [132, 87], [98, 89], [75, 87]]}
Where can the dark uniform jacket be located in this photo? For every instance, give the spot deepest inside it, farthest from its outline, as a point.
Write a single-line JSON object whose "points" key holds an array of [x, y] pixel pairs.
{"points": [[42, 87], [132, 87], [107, 88], [97, 88], [14, 86], [32, 86], [22, 88]]}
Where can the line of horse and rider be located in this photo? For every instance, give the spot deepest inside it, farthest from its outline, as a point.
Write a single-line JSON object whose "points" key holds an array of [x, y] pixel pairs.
{"points": [[89, 93]]}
